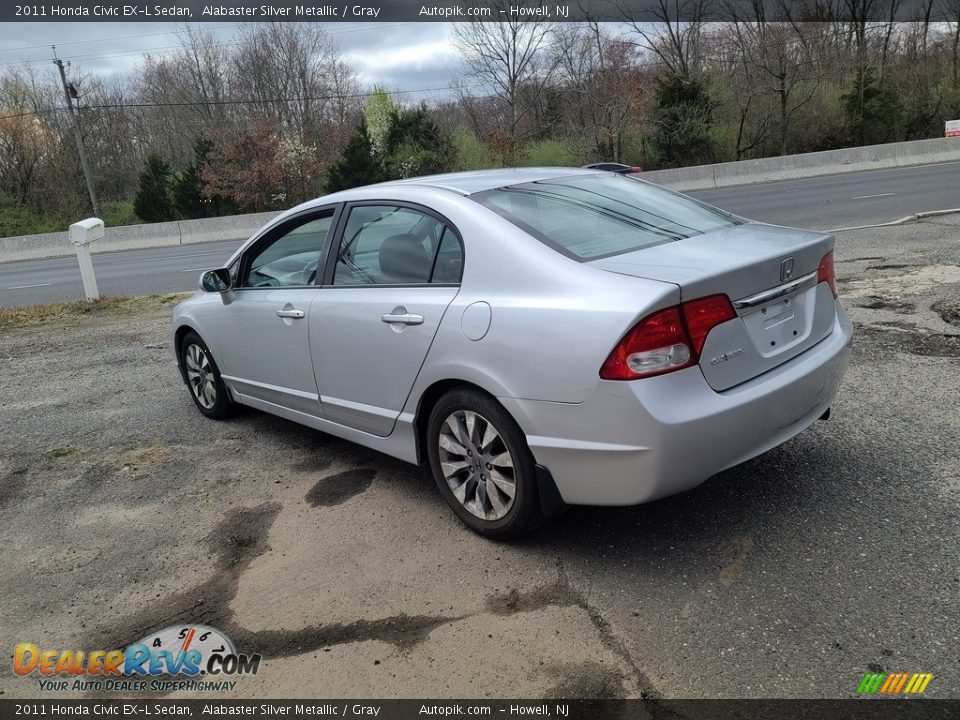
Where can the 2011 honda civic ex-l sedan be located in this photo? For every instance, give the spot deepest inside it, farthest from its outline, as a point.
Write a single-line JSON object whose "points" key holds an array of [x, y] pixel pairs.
{"points": [[540, 337]]}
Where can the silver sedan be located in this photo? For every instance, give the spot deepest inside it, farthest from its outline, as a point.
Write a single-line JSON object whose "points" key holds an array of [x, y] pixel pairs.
{"points": [[539, 337]]}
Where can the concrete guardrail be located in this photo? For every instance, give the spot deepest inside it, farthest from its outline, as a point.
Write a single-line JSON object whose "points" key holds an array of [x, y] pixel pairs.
{"points": [[790, 167], [701, 177], [129, 237]]}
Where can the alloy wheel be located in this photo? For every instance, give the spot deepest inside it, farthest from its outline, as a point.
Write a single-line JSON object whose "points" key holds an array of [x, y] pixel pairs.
{"points": [[477, 465], [200, 375]]}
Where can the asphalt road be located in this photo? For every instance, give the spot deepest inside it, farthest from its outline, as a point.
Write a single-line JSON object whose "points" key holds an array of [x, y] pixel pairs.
{"points": [[839, 201], [821, 203], [126, 511]]}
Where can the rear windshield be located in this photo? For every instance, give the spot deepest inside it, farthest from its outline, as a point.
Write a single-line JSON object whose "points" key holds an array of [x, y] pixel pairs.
{"points": [[593, 216]]}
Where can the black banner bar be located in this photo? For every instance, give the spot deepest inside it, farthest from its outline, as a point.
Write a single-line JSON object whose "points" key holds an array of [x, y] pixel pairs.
{"points": [[484, 10], [216, 707]]}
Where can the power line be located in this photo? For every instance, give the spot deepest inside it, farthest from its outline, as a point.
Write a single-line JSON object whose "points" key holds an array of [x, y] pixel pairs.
{"points": [[253, 101], [170, 48], [653, 62], [269, 101]]}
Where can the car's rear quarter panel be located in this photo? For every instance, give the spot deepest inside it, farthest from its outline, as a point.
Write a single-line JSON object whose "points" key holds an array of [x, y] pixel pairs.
{"points": [[553, 320]]}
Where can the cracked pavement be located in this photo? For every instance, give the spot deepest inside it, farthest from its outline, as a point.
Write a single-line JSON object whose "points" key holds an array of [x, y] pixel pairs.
{"points": [[124, 510]]}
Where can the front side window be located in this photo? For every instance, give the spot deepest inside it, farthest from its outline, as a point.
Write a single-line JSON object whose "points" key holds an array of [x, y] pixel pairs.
{"points": [[391, 245], [592, 216], [291, 259]]}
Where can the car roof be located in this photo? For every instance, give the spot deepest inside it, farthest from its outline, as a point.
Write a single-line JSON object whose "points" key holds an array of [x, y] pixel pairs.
{"points": [[474, 181], [460, 183]]}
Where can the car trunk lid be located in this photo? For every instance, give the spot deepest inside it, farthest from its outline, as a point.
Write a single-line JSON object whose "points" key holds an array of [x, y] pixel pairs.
{"points": [[770, 275]]}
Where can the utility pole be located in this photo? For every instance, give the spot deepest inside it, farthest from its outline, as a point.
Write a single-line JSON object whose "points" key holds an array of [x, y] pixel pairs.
{"points": [[76, 134]]}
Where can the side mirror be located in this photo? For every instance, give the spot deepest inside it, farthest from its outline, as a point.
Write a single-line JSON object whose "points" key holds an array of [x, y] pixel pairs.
{"points": [[215, 280]]}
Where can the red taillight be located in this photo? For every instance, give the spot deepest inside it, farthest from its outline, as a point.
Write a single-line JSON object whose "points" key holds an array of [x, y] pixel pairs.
{"points": [[825, 273], [667, 340], [703, 314]]}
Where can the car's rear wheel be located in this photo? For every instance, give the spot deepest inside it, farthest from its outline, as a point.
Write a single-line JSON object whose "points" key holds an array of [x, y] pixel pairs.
{"points": [[203, 379], [482, 464]]}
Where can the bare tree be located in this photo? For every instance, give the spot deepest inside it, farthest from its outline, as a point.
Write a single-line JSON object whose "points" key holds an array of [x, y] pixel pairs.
{"points": [[293, 75], [508, 60], [675, 37], [603, 85], [774, 55], [27, 139], [185, 92], [951, 10]]}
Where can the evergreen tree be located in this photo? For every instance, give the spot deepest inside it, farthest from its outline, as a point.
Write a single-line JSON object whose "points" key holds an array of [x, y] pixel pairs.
{"points": [[684, 119], [416, 145], [872, 110], [357, 166], [187, 187], [153, 202]]}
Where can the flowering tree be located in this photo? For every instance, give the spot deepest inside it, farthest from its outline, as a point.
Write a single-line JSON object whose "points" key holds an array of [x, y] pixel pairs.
{"points": [[258, 169]]}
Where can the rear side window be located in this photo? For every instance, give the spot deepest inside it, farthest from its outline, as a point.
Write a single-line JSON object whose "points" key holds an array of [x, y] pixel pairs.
{"points": [[390, 245], [590, 217]]}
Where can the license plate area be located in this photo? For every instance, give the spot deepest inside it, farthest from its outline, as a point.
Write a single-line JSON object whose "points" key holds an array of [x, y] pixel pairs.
{"points": [[778, 325]]}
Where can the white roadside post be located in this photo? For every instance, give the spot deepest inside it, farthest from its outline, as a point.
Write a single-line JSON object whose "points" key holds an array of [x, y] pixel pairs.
{"points": [[81, 235]]}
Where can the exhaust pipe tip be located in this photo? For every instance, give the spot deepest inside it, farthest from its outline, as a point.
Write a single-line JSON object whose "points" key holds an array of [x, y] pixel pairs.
{"points": [[826, 415]]}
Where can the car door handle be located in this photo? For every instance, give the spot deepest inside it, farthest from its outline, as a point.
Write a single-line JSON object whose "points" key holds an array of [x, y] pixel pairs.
{"points": [[290, 313], [405, 318]]}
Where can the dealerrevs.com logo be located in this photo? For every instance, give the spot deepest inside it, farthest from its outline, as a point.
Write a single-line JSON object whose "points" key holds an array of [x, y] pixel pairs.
{"points": [[179, 654]]}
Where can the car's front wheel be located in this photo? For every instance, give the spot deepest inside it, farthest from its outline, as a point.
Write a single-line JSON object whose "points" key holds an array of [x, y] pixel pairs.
{"points": [[203, 379], [482, 464]]}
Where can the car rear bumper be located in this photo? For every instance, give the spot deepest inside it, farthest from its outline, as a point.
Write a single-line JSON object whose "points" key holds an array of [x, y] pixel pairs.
{"points": [[632, 442]]}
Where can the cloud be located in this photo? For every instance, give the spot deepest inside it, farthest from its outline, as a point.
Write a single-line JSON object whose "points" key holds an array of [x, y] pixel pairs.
{"points": [[399, 56]]}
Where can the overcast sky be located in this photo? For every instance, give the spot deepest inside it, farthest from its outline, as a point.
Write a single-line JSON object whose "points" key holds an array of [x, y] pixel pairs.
{"points": [[398, 56]]}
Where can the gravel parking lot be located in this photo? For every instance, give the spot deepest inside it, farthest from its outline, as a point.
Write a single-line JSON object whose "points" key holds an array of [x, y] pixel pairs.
{"points": [[125, 511]]}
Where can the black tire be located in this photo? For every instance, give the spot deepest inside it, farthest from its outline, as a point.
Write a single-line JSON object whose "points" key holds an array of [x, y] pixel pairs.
{"points": [[523, 513], [222, 405]]}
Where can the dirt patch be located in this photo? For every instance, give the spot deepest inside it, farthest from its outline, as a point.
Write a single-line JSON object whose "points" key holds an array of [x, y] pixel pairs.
{"points": [[587, 680], [75, 310], [893, 286], [897, 336], [236, 541], [949, 311], [340, 487], [314, 462], [561, 593], [11, 484], [402, 631], [513, 601], [136, 459], [879, 303], [739, 548]]}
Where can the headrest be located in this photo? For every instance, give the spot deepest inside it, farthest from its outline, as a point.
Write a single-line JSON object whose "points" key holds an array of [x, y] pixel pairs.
{"points": [[403, 259]]}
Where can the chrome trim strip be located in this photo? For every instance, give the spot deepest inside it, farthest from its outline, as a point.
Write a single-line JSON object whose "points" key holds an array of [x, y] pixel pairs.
{"points": [[357, 407], [272, 388], [801, 283]]}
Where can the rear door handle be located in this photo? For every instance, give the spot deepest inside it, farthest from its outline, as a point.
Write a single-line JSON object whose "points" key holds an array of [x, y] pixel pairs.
{"points": [[404, 318], [290, 313]]}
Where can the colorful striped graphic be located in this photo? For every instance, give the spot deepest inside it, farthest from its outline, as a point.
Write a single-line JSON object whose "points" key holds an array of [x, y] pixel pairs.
{"points": [[894, 683]]}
